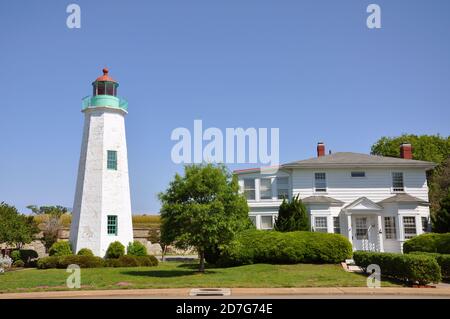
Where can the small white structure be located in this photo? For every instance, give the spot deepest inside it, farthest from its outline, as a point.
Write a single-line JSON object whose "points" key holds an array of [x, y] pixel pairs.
{"points": [[102, 208], [376, 202]]}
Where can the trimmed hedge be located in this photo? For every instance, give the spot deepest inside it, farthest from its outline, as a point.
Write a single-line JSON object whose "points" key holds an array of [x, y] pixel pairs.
{"points": [[132, 261], [64, 261], [96, 262], [442, 259], [85, 252], [258, 246], [430, 243], [408, 268]]}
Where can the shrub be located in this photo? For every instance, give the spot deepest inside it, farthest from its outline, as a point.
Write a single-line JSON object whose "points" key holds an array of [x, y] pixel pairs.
{"points": [[15, 255], [85, 252], [82, 261], [60, 248], [442, 259], [28, 256], [48, 262], [256, 246], [115, 250], [431, 243], [136, 248], [408, 268], [132, 261], [19, 263]]}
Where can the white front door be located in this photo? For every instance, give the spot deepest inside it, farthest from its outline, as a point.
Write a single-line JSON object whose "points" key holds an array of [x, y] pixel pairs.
{"points": [[364, 236]]}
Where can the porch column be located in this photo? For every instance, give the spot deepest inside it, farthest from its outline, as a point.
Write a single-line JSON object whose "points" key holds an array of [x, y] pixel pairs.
{"points": [[349, 227], [380, 234]]}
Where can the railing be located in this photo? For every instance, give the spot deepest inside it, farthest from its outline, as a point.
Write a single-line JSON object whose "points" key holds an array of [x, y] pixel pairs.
{"points": [[104, 100]]}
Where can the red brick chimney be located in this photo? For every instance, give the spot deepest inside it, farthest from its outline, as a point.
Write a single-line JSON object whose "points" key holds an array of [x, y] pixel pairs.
{"points": [[320, 149], [406, 151]]}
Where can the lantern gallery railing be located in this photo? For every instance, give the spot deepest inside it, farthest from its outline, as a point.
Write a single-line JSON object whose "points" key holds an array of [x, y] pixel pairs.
{"points": [[105, 101]]}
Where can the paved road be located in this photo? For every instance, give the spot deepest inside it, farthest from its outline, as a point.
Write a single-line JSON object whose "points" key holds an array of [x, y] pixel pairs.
{"points": [[243, 293]]}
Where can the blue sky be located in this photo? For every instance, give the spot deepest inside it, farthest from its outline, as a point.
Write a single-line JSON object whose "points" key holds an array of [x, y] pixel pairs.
{"points": [[311, 68]]}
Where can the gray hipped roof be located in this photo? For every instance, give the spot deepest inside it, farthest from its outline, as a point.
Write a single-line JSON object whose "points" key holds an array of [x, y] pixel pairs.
{"points": [[321, 200], [349, 159], [403, 198]]}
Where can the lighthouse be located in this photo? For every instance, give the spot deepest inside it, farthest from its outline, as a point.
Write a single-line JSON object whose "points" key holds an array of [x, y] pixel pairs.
{"points": [[102, 207]]}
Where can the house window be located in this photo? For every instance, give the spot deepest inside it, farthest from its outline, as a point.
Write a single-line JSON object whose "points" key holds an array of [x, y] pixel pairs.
{"points": [[112, 160], [266, 222], [336, 225], [389, 228], [361, 228], [358, 174], [320, 182], [265, 188], [425, 224], [253, 219], [283, 187], [397, 182], [249, 188], [409, 227], [112, 225], [320, 225]]}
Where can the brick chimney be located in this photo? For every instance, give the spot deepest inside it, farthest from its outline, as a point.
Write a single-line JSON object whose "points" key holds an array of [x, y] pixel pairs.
{"points": [[406, 151], [320, 149]]}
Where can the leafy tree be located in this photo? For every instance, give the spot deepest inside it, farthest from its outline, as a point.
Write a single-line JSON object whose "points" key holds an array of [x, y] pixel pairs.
{"points": [[16, 229], [292, 216], [441, 221], [52, 222], [202, 209], [432, 148]]}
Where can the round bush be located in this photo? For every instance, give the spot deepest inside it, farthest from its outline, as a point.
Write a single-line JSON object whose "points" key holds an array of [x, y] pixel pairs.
{"points": [[136, 248], [115, 250], [257, 246], [19, 263], [431, 243], [60, 248], [85, 252]]}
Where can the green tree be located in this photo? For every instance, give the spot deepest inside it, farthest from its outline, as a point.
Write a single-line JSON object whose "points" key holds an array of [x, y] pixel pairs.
{"points": [[292, 216], [52, 222], [202, 209], [16, 229], [432, 148], [441, 220]]}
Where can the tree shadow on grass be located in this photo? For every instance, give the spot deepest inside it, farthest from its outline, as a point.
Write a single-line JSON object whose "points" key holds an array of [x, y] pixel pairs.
{"points": [[165, 273]]}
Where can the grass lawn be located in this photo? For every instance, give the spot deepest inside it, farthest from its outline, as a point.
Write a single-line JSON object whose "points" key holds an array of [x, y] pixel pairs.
{"points": [[176, 275]]}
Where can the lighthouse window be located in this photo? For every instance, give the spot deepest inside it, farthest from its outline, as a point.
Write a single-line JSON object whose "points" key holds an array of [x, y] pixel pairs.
{"points": [[100, 88], [112, 225], [109, 88], [112, 160]]}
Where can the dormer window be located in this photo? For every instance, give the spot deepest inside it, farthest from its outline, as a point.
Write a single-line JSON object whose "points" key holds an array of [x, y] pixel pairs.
{"points": [[397, 182], [320, 182]]}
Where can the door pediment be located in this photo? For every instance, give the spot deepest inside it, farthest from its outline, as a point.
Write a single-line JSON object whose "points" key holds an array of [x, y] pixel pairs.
{"points": [[362, 204]]}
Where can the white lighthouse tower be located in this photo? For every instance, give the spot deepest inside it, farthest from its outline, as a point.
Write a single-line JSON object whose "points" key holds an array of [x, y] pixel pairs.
{"points": [[102, 208]]}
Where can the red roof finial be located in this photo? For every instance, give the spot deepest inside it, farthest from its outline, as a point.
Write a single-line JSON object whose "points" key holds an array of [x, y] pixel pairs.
{"points": [[105, 77]]}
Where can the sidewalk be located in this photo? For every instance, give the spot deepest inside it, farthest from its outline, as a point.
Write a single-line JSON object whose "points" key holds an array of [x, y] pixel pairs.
{"points": [[336, 292]]}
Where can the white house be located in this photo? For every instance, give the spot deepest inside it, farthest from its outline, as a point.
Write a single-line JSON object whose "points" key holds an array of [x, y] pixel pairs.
{"points": [[376, 202]]}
